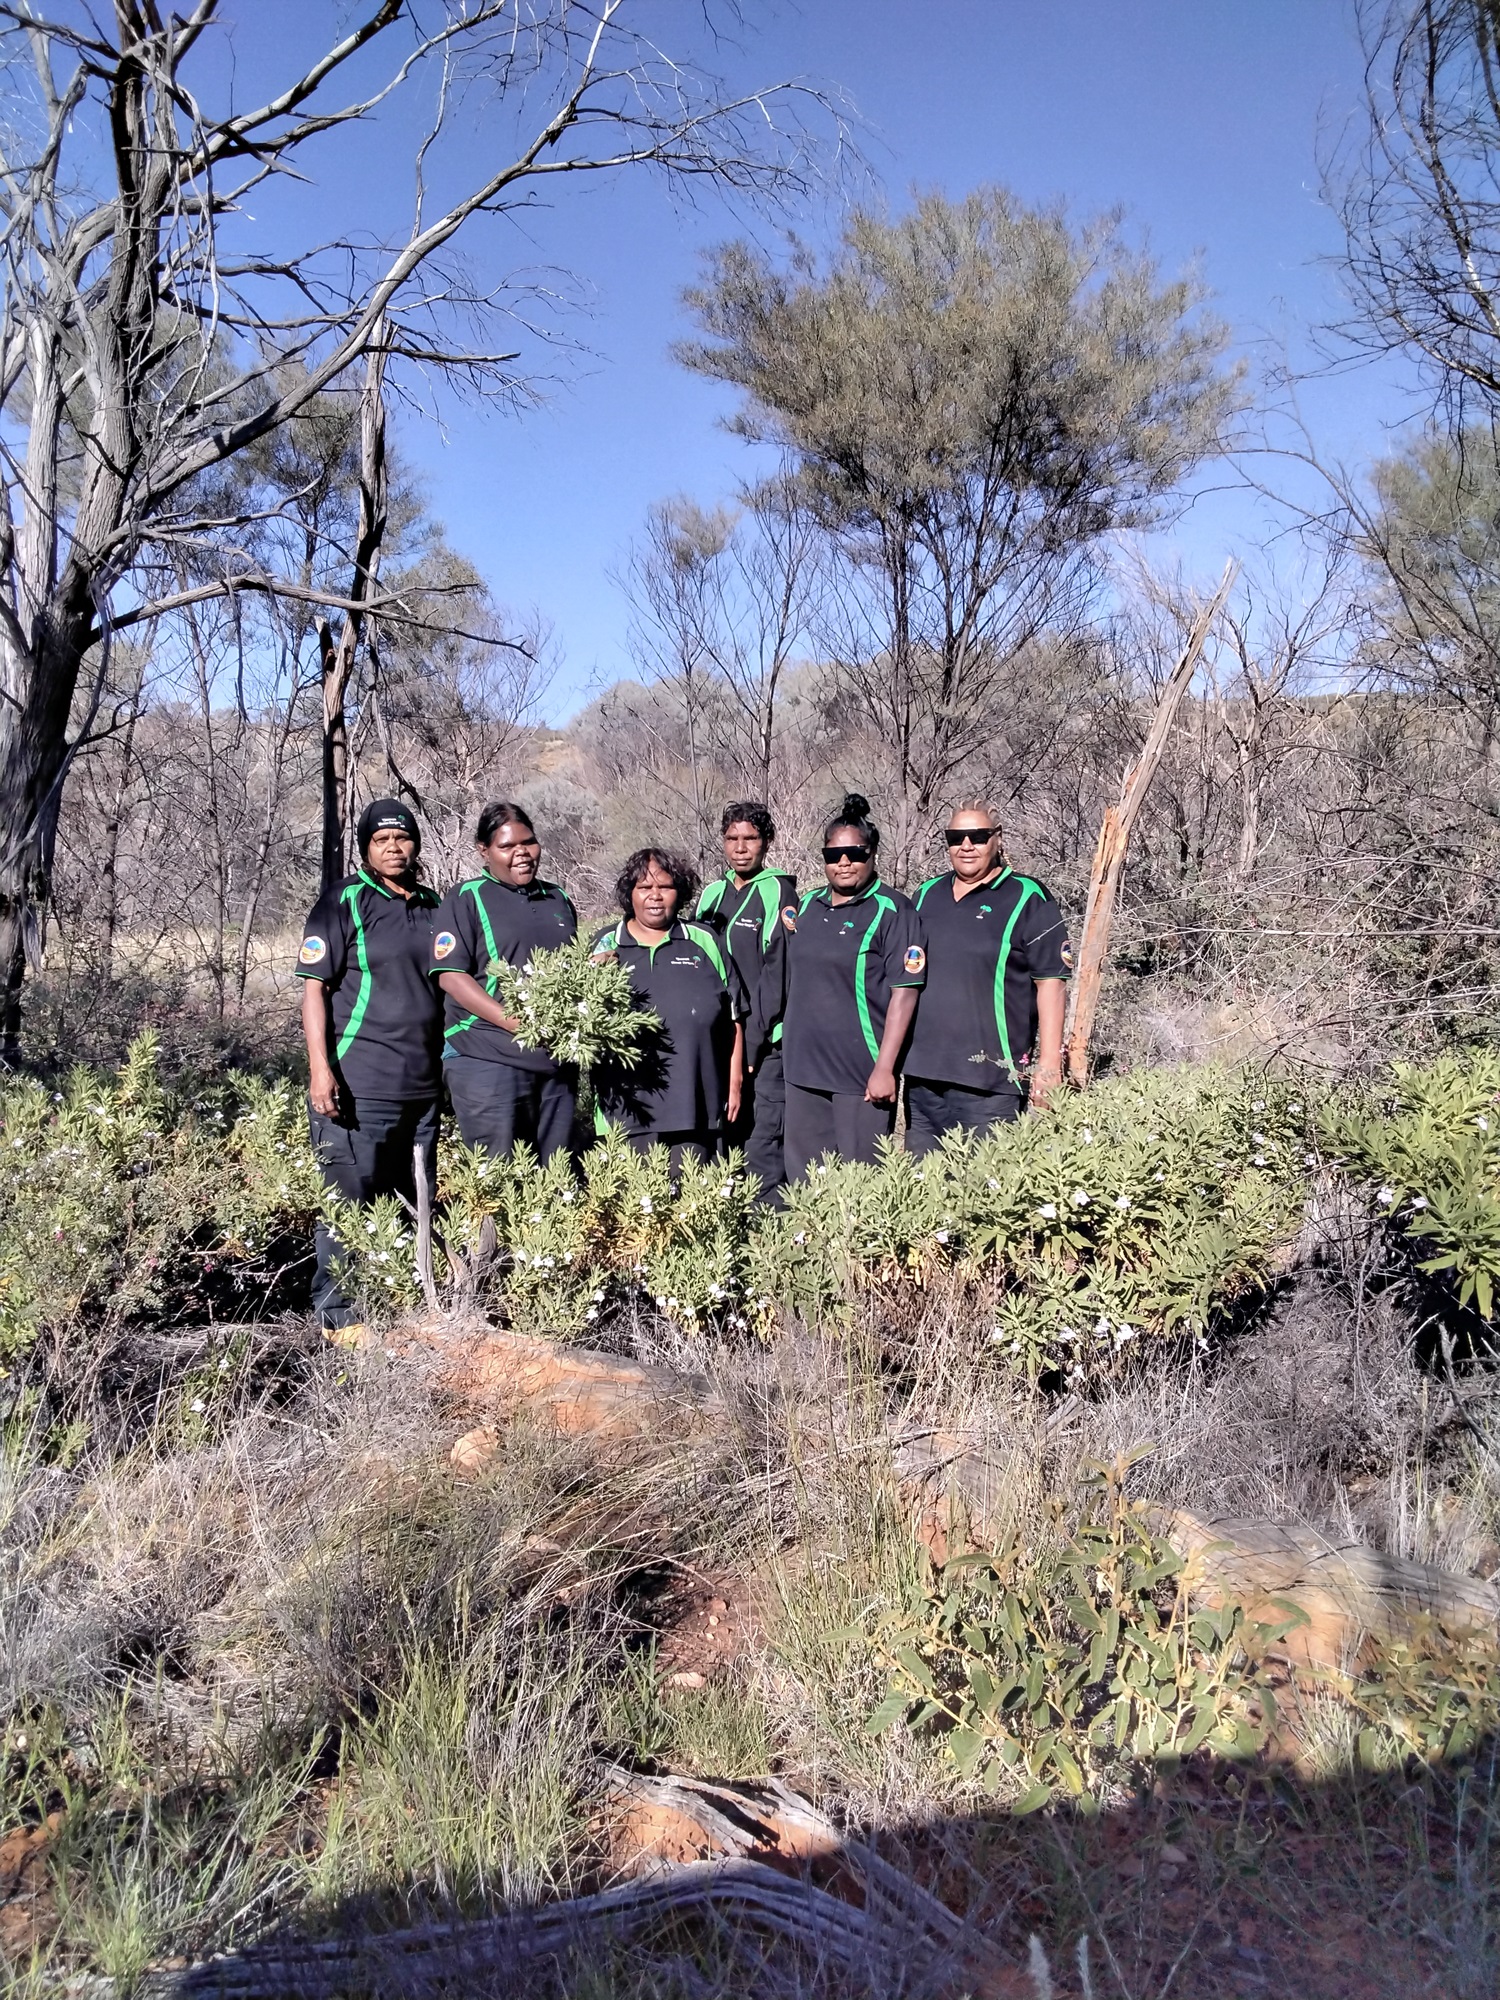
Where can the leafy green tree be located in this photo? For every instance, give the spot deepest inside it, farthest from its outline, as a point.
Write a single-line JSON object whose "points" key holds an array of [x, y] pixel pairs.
{"points": [[971, 398]]}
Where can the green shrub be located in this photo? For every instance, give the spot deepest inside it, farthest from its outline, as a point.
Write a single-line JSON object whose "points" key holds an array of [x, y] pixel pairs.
{"points": [[1059, 1672], [1426, 1150], [1128, 1213]]}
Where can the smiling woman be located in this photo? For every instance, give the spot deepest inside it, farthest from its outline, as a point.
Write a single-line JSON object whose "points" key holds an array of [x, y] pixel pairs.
{"points": [[688, 1091]]}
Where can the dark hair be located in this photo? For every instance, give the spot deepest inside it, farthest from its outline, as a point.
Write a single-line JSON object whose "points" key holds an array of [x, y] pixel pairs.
{"points": [[855, 812], [684, 877], [498, 813], [753, 814]]}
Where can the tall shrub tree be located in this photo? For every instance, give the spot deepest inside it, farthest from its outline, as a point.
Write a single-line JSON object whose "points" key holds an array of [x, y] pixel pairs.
{"points": [[147, 319], [972, 396]]}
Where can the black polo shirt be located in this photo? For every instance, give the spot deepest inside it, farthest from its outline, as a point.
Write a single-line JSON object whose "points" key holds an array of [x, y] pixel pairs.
{"points": [[371, 949], [985, 953], [747, 917], [698, 993], [484, 920], [841, 964]]}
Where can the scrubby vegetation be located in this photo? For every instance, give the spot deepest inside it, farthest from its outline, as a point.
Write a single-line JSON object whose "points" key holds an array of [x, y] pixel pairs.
{"points": [[272, 1665]]}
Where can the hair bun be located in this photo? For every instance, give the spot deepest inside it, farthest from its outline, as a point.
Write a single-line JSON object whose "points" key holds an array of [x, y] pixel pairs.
{"points": [[855, 806]]}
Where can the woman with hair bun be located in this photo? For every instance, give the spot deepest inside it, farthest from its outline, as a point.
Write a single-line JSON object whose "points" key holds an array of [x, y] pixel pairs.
{"points": [[688, 1091], [852, 961]]}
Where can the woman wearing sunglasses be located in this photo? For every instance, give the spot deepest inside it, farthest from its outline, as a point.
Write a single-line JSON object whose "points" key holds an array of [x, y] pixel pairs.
{"points": [[992, 1016], [852, 960]]}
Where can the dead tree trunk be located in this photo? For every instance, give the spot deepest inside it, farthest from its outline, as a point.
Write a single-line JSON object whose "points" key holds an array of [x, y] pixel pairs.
{"points": [[337, 655], [1114, 838]]}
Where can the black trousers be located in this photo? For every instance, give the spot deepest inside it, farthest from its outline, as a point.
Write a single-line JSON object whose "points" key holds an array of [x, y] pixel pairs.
{"points": [[367, 1151], [935, 1108], [497, 1103], [696, 1147], [827, 1121], [761, 1125]]}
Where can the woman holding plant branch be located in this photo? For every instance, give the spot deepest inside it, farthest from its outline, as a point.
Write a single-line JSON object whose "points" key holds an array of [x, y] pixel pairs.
{"points": [[687, 1087], [502, 1089]]}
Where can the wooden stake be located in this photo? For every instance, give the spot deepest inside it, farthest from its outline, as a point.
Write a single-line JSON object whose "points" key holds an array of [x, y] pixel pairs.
{"points": [[1114, 838]]}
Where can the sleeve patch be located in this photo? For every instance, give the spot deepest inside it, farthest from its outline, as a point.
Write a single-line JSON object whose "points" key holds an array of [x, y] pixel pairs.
{"points": [[314, 951], [444, 944], [916, 959], [1067, 953], [789, 918]]}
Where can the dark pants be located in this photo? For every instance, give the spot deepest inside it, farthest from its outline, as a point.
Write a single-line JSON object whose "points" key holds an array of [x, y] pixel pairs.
{"points": [[827, 1121], [695, 1147], [935, 1108], [497, 1103], [761, 1125], [367, 1152]]}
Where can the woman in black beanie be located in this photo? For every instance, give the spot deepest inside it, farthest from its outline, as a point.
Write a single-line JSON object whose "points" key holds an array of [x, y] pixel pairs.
{"points": [[374, 1028]]}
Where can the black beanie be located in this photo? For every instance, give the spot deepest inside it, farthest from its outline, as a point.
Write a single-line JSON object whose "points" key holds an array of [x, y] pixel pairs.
{"points": [[382, 813]]}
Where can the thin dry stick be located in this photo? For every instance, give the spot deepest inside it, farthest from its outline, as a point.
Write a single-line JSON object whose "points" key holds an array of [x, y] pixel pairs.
{"points": [[1114, 836]]}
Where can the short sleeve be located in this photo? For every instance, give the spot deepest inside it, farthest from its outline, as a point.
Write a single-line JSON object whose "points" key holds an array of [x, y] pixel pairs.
{"points": [[453, 930], [905, 947], [324, 950], [1044, 936]]}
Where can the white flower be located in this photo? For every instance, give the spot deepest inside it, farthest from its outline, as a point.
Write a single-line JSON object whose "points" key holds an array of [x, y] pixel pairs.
{"points": [[646, 1208], [369, 1229], [1158, 1177], [1048, 1211], [1294, 1107], [1386, 1195], [940, 1236], [1309, 1159], [1257, 1138], [198, 1406], [1122, 1201], [992, 1182], [1259, 1160], [1101, 1326], [1483, 1124], [535, 1218], [1087, 1135], [726, 1191], [1258, 1105], [800, 1237], [1080, 1197], [1419, 1201]]}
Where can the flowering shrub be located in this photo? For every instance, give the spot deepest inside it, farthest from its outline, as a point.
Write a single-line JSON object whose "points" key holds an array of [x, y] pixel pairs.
{"points": [[582, 1011], [1128, 1213], [1426, 1151]]}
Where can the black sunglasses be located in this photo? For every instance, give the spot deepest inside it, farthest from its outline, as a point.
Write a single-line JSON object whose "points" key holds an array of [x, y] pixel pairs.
{"points": [[846, 853], [975, 836]]}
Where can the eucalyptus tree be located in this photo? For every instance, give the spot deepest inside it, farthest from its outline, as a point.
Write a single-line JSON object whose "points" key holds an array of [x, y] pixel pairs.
{"points": [[148, 318], [972, 397]]}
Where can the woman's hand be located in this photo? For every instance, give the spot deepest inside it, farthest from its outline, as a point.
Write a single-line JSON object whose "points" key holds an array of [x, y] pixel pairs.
{"points": [[323, 1092], [1043, 1083], [881, 1089]]}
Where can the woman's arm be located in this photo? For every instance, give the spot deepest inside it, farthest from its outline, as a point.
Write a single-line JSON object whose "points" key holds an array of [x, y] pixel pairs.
{"points": [[881, 1089], [736, 1072], [322, 1084], [1051, 1009], [471, 996]]}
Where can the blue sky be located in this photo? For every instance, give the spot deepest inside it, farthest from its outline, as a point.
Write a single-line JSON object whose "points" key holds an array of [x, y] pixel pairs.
{"points": [[1202, 119]]}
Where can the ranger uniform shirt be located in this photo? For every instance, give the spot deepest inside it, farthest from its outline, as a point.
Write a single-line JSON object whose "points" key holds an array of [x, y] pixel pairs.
{"points": [[485, 920], [748, 918], [839, 965], [978, 1017], [698, 993], [371, 949]]}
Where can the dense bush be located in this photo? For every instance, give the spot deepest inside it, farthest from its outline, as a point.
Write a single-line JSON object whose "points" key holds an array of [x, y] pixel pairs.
{"points": [[1426, 1151], [1130, 1214]]}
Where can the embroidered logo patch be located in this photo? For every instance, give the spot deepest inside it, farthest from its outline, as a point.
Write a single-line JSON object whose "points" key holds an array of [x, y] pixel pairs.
{"points": [[1067, 953], [444, 943], [916, 958], [789, 918], [313, 950]]}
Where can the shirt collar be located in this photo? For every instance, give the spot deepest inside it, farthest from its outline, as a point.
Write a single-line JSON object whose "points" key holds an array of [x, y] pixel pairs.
{"points": [[494, 880], [825, 894]]}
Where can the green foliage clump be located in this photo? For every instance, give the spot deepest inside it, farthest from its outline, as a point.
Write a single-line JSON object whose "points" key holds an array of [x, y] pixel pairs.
{"points": [[1058, 1672], [570, 1246], [582, 1010], [1427, 1150], [121, 1202], [1128, 1213]]}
